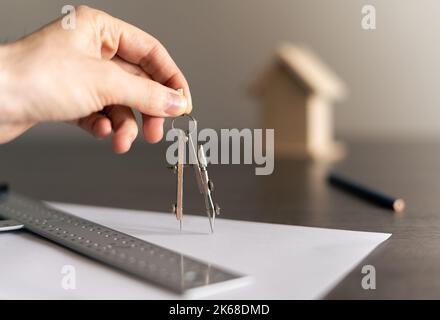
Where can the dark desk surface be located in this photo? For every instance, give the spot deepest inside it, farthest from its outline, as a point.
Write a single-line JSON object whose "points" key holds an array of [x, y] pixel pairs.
{"points": [[407, 265]]}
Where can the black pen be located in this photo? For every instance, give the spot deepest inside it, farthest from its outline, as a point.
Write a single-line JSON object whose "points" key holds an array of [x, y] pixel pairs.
{"points": [[366, 193]]}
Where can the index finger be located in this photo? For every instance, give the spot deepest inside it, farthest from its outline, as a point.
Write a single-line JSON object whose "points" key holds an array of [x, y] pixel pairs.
{"points": [[138, 47]]}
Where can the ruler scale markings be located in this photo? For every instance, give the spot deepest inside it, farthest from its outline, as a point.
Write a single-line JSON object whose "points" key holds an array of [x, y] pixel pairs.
{"points": [[161, 266]]}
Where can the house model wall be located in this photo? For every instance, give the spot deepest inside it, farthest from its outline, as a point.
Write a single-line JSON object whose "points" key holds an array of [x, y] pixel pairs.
{"points": [[297, 93]]}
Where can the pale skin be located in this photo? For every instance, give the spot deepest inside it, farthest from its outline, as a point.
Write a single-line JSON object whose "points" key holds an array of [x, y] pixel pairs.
{"points": [[94, 76]]}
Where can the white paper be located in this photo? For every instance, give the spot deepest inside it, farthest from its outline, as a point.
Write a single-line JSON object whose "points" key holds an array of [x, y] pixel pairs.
{"points": [[286, 262]]}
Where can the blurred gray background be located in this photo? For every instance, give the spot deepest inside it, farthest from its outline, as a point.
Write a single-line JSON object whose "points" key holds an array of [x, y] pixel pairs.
{"points": [[392, 72], [393, 76]]}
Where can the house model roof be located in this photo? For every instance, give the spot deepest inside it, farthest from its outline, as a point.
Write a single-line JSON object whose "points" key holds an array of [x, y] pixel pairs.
{"points": [[310, 70]]}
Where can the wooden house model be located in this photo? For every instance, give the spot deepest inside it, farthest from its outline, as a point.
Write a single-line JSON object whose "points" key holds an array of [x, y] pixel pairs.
{"points": [[297, 93]]}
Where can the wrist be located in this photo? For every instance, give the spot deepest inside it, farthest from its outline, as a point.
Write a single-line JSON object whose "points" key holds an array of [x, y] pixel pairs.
{"points": [[7, 86], [4, 73], [3, 58], [4, 53]]}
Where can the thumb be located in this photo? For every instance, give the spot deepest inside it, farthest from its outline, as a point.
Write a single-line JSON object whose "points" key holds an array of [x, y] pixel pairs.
{"points": [[147, 96]]}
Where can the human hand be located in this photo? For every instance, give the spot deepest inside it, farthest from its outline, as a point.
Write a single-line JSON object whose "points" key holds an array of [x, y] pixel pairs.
{"points": [[94, 76]]}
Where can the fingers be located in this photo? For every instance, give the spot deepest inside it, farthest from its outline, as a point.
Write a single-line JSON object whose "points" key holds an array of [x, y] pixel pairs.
{"points": [[123, 122], [118, 87], [178, 81], [139, 48], [120, 119], [96, 124], [152, 125], [160, 66], [152, 128], [125, 128], [130, 67]]}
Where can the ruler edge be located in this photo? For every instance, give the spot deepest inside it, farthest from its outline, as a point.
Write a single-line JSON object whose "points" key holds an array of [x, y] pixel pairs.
{"points": [[239, 279]]}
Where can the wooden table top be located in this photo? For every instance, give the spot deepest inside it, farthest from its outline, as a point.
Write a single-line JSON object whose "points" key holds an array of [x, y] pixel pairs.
{"points": [[407, 265]]}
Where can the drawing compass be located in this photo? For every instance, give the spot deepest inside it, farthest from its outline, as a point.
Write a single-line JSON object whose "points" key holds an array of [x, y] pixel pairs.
{"points": [[197, 159]]}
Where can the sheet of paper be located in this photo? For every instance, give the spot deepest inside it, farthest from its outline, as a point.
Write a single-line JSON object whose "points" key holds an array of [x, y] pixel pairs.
{"points": [[285, 262]]}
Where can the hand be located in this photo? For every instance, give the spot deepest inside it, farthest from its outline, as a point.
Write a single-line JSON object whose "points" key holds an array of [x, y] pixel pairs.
{"points": [[94, 76]]}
